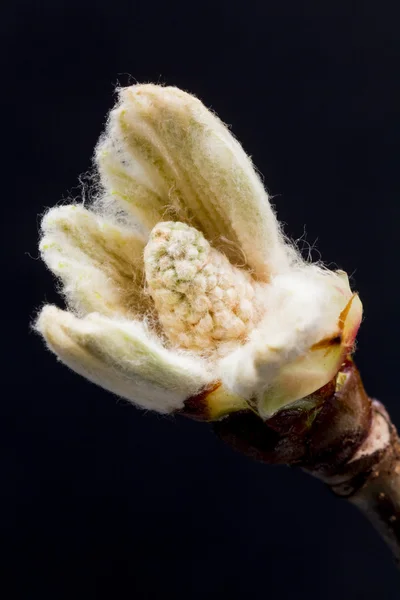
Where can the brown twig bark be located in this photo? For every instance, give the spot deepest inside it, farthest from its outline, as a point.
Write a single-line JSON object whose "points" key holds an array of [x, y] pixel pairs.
{"points": [[340, 436]]}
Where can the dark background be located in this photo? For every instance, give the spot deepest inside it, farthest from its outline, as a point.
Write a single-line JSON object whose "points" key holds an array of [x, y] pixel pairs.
{"points": [[100, 499]]}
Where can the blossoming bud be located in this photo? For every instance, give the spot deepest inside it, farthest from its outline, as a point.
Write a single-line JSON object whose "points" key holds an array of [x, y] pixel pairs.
{"points": [[182, 292]]}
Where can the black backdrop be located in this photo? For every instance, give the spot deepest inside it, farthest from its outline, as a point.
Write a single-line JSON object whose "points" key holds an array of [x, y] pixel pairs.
{"points": [[100, 499]]}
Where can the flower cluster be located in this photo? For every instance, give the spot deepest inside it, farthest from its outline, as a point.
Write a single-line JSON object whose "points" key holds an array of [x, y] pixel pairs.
{"points": [[178, 280]]}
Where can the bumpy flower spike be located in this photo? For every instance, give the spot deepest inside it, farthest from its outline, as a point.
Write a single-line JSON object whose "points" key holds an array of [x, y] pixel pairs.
{"points": [[184, 296], [204, 303]]}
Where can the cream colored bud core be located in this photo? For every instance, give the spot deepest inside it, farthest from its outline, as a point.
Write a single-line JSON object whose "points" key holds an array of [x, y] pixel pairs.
{"points": [[203, 302]]}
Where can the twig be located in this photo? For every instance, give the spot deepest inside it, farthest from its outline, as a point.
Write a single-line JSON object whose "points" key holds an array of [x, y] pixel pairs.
{"points": [[338, 435]]}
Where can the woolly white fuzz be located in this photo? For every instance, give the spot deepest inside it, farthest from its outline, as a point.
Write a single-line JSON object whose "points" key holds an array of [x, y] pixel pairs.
{"points": [[178, 279], [163, 154], [276, 365], [98, 261], [123, 357]]}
